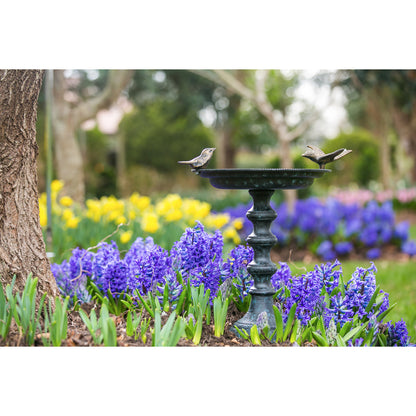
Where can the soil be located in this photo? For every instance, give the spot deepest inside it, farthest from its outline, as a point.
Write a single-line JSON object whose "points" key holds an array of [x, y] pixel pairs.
{"points": [[79, 335]]}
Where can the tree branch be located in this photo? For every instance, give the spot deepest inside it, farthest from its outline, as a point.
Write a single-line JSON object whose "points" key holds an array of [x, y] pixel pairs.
{"points": [[117, 81], [234, 85]]}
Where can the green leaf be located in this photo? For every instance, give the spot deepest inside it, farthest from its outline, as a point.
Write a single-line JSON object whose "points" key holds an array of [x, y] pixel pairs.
{"points": [[306, 335], [340, 342], [177, 332], [110, 333], [242, 332], [341, 285], [198, 328], [279, 324], [369, 337], [383, 314], [180, 303], [321, 341], [165, 331], [321, 326], [346, 327], [129, 325], [293, 335], [156, 330], [382, 339], [127, 304], [166, 298], [289, 322], [372, 300], [254, 335], [354, 332], [147, 307]]}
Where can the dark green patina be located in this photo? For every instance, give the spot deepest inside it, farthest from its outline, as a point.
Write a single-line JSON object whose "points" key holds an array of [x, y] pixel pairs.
{"points": [[261, 184]]}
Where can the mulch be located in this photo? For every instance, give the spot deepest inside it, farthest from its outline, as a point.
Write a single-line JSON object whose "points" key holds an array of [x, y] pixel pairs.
{"points": [[78, 334]]}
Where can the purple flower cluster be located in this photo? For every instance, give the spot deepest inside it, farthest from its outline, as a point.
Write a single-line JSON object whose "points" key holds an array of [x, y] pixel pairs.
{"points": [[397, 334], [317, 293], [235, 268], [71, 276], [336, 227], [197, 256]]}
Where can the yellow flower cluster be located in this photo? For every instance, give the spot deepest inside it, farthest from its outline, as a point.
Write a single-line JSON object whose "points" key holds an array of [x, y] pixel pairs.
{"points": [[61, 208], [140, 209]]}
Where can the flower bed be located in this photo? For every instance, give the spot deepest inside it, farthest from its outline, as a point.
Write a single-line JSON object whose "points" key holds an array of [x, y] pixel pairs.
{"points": [[195, 279], [331, 229], [164, 219]]}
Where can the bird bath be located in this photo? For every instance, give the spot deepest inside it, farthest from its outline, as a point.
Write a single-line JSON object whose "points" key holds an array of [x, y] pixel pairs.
{"points": [[261, 184]]}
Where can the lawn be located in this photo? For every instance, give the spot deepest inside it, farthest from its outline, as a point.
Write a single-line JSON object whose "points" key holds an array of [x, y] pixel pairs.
{"points": [[395, 278]]}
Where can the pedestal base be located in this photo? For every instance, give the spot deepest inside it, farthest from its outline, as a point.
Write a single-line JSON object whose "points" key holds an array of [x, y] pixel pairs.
{"points": [[259, 303]]}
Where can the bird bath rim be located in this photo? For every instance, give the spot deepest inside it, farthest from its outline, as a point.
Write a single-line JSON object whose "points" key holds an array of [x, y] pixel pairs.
{"points": [[261, 178]]}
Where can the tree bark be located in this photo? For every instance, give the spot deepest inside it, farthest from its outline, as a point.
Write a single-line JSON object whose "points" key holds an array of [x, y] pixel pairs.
{"points": [[378, 108], [22, 249], [405, 125], [66, 120]]}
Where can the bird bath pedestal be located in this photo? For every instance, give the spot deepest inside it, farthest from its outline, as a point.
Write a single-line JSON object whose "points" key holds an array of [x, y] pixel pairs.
{"points": [[261, 184]]}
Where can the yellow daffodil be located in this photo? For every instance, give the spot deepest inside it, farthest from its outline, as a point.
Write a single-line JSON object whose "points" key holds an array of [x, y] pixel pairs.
{"points": [[230, 233], [42, 215], [217, 220], [173, 215], [56, 185], [150, 223], [72, 222], [66, 201], [125, 237], [121, 219], [139, 202], [238, 224]]}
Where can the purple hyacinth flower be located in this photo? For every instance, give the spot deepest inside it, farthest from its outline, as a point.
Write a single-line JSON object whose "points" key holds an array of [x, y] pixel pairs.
{"points": [[409, 247], [373, 253]]}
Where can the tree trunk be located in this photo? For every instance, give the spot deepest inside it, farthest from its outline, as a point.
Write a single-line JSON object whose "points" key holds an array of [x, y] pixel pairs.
{"points": [[226, 150], [378, 108], [405, 125], [287, 163], [66, 120], [22, 249]]}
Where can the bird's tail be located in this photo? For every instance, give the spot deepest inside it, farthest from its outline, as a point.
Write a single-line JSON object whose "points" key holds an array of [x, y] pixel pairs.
{"points": [[183, 162]]}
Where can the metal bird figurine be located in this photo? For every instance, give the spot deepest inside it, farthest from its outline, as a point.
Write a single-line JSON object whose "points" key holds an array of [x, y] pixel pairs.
{"points": [[321, 158], [200, 161]]}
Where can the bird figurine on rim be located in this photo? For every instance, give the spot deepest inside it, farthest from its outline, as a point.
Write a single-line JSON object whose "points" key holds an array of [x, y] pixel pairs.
{"points": [[321, 158], [200, 161]]}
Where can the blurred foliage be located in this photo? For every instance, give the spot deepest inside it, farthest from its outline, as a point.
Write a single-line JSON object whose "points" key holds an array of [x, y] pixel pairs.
{"points": [[155, 136], [299, 162], [100, 164], [361, 166]]}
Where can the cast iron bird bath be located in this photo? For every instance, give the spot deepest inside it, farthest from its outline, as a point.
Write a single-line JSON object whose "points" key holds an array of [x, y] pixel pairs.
{"points": [[261, 184]]}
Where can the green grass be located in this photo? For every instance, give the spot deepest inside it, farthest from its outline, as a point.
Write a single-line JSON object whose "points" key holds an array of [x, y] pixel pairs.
{"points": [[397, 279]]}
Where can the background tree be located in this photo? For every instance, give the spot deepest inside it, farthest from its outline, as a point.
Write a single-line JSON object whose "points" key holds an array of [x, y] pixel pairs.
{"points": [[155, 137], [383, 101], [22, 249], [76, 101], [266, 92]]}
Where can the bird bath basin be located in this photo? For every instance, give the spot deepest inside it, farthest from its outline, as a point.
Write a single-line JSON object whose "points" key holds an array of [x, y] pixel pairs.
{"points": [[261, 184]]}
